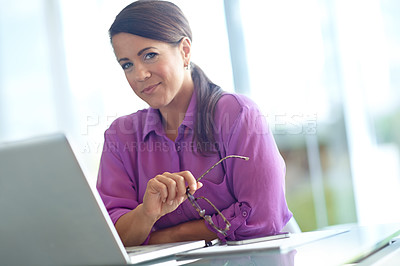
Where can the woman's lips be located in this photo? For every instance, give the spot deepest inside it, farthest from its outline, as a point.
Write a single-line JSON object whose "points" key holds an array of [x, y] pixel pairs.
{"points": [[150, 89]]}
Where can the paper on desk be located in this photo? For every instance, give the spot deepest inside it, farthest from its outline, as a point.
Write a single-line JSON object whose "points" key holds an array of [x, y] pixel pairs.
{"points": [[282, 245]]}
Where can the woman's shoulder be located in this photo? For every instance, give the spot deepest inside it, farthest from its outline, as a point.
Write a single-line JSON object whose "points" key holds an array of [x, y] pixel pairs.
{"points": [[132, 124], [233, 108], [132, 118], [234, 103]]}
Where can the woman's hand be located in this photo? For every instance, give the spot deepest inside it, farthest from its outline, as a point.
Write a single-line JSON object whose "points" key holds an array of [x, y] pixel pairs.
{"points": [[165, 192]]}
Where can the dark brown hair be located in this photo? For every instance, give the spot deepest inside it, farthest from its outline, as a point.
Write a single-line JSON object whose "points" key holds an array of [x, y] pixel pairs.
{"points": [[164, 21]]}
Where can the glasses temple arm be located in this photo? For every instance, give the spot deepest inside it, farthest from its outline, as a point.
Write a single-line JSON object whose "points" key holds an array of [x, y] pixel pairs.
{"points": [[227, 157]]}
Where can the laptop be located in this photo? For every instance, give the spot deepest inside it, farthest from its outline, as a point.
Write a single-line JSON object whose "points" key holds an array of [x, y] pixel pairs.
{"points": [[50, 215]]}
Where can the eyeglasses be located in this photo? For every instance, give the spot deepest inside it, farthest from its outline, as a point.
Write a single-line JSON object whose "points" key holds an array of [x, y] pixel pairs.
{"points": [[201, 211]]}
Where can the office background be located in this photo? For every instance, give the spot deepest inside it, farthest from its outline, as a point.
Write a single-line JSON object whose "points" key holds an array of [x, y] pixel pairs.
{"points": [[324, 72]]}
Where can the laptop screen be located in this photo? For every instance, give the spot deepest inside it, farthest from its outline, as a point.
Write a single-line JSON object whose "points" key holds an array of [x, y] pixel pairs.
{"points": [[49, 213]]}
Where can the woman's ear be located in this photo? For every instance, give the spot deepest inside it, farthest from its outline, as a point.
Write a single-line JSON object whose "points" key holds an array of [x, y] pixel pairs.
{"points": [[186, 46]]}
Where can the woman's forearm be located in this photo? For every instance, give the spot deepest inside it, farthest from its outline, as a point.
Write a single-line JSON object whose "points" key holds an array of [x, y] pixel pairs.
{"points": [[132, 234], [193, 230], [134, 227]]}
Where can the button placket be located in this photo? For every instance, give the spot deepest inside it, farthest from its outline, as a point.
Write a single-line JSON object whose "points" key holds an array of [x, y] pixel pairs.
{"points": [[178, 147]]}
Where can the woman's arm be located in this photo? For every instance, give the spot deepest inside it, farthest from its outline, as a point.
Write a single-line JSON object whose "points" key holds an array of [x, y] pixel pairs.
{"points": [[164, 193], [127, 227], [258, 184], [193, 230]]}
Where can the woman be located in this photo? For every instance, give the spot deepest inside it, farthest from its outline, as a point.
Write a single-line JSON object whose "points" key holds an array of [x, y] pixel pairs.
{"points": [[151, 158]]}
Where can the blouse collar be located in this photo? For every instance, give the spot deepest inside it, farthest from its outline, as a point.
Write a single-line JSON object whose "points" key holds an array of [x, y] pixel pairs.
{"points": [[153, 121]]}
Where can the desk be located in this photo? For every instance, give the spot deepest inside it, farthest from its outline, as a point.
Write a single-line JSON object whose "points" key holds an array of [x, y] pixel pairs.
{"points": [[353, 245]]}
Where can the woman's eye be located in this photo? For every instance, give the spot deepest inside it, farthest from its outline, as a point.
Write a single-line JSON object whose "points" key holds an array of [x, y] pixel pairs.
{"points": [[150, 56], [126, 66]]}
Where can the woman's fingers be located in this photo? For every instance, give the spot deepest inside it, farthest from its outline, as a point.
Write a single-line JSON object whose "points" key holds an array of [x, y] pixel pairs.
{"points": [[180, 187], [170, 186], [165, 192], [174, 186], [155, 187], [199, 185], [190, 180]]}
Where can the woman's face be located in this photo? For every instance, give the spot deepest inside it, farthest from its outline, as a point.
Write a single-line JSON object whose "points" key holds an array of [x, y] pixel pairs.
{"points": [[155, 70]]}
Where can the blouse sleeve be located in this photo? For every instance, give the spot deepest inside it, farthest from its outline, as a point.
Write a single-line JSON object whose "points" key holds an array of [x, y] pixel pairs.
{"points": [[114, 184], [259, 183]]}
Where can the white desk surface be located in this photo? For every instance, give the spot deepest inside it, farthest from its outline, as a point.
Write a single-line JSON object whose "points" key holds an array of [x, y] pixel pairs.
{"points": [[347, 248], [331, 247], [389, 255]]}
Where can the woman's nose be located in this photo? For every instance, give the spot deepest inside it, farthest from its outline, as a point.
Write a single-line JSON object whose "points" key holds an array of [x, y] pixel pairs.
{"points": [[142, 73]]}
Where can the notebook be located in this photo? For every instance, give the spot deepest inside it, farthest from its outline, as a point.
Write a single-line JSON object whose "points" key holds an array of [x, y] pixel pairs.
{"points": [[50, 215]]}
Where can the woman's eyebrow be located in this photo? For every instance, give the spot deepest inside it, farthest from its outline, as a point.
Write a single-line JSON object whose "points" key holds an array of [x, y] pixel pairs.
{"points": [[144, 49], [139, 53], [123, 59]]}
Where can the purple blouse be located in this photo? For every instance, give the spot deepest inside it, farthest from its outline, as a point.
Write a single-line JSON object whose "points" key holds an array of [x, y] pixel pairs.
{"points": [[250, 194]]}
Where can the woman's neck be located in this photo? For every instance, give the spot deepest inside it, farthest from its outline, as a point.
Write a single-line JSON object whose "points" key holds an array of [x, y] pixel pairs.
{"points": [[174, 113]]}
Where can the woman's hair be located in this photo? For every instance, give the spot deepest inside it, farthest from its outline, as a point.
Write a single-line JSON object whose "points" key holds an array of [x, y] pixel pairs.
{"points": [[164, 21]]}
